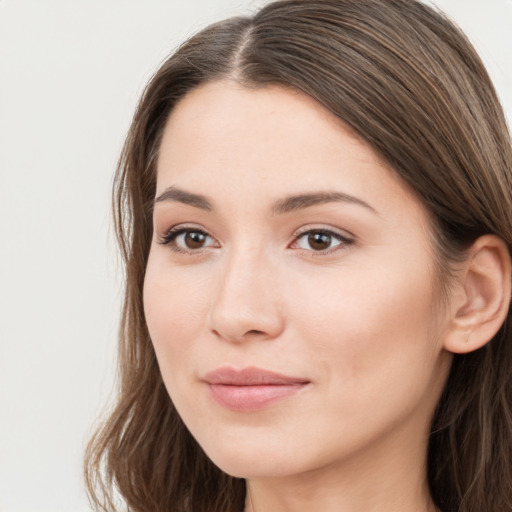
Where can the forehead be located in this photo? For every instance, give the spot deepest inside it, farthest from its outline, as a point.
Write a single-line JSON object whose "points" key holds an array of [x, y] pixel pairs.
{"points": [[278, 117], [234, 142]]}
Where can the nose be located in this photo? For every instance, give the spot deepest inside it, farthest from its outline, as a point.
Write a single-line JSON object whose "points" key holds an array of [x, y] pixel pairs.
{"points": [[247, 305]]}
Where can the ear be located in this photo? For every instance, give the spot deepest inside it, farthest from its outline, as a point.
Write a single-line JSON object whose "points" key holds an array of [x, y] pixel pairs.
{"points": [[481, 299]]}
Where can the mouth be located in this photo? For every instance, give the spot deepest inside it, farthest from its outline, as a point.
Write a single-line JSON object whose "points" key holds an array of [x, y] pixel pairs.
{"points": [[251, 389]]}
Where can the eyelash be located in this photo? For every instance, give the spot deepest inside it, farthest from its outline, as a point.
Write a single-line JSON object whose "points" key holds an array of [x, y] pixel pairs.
{"points": [[169, 237], [344, 241]]}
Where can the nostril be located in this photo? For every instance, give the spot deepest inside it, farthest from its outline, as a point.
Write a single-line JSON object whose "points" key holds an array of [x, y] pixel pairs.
{"points": [[253, 332], [248, 334]]}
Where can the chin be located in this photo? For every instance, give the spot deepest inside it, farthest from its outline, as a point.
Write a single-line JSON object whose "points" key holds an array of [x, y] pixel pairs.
{"points": [[259, 458], [256, 466]]}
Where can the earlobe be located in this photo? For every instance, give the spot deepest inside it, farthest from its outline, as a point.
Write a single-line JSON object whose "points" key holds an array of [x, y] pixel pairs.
{"points": [[482, 300]]}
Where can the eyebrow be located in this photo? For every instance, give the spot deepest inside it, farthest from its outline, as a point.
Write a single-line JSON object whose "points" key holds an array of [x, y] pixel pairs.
{"points": [[281, 206], [182, 196], [301, 201]]}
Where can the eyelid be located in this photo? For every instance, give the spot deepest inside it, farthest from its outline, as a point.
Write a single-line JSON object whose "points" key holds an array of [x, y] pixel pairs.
{"points": [[342, 233]]}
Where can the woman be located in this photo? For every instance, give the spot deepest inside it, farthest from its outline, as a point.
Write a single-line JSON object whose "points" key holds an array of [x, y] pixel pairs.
{"points": [[314, 208]]}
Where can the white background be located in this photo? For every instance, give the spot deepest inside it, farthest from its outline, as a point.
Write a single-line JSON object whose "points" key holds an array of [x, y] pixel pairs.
{"points": [[70, 75]]}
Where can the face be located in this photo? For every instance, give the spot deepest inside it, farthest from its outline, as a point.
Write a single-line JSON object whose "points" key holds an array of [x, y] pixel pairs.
{"points": [[289, 291]]}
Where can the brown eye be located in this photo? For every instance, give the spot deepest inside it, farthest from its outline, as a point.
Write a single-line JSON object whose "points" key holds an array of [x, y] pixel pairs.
{"points": [[194, 239], [187, 239], [319, 241]]}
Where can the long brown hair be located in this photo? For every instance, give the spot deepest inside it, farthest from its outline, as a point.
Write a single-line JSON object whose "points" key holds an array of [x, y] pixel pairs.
{"points": [[411, 85]]}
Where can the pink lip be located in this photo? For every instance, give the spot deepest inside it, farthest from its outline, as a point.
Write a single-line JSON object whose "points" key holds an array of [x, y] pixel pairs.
{"points": [[250, 389]]}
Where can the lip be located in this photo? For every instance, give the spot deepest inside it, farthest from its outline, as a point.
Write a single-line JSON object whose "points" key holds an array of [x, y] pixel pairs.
{"points": [[251, 388]]}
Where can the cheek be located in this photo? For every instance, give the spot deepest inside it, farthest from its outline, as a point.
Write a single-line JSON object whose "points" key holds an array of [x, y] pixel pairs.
{"points": [[370, 326], [174, 306]]}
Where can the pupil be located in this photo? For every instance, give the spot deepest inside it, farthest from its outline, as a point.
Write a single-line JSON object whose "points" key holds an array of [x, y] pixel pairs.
{"points": [[194, 240], [319, 241]]}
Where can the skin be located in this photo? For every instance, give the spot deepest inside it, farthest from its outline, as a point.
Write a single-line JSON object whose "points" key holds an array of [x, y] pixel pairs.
{"points": [[359, 320]]}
